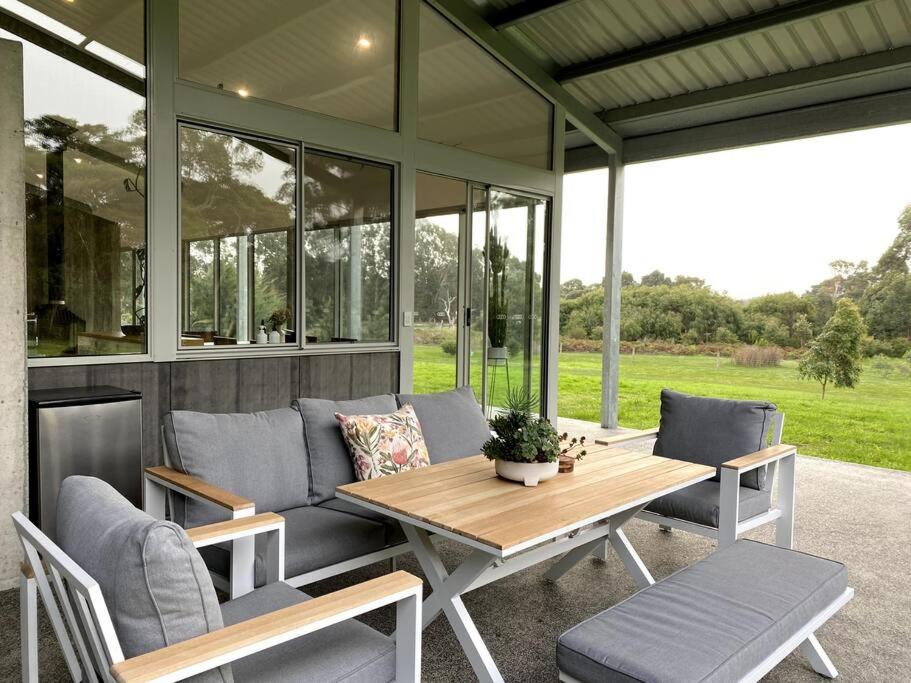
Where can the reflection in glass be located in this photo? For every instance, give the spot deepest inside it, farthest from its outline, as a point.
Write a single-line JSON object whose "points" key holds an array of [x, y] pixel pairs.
{"points": [[85, 186], [329, 57], [347, 249], [440, 222], [237, 212]]}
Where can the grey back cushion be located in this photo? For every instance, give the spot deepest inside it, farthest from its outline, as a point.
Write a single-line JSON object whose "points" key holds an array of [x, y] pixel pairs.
{"points": [[260, 456], [452, 423], [711, 431], [155, 585], [330, 461]]}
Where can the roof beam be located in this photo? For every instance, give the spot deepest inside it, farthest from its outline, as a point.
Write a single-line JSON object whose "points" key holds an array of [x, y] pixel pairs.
{"points": [[710, 35], [524, 11], [526, 68], [855, 67]]}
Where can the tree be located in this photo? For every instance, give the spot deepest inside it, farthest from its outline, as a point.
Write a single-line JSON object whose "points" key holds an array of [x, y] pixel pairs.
{"points": [[655, 279], [627, 279], [572, 289], [834, 356], [886, 302], [802, 330]]}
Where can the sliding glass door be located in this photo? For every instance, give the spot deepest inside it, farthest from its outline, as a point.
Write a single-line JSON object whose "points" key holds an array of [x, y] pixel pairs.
{"points": [[479, 289]]}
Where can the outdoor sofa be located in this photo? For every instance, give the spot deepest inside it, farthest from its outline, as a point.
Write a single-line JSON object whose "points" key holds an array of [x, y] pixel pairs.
{"points": [[290, 461], [132, 600], [731, 617]]}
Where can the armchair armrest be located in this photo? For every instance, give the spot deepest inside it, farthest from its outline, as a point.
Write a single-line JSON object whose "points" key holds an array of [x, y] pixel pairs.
{"points": [[212, 650], [197, 488], [633, 435], [751, 461], [232, 529]]}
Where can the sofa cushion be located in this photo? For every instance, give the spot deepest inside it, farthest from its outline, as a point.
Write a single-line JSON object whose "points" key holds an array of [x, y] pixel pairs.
{"points": [[330, 463], [154, 582], [394, 533], [711, 431], [348, 651], [381, 445], [260, 456], [699, 503], [712, 622], [453, 423]]}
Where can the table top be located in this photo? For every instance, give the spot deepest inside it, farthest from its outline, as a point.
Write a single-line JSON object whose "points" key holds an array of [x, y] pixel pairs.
{"points": [[465, 499]]}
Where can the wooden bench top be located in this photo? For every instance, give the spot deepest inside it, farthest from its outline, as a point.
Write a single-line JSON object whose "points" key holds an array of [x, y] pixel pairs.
{"points": [[467, 498]]}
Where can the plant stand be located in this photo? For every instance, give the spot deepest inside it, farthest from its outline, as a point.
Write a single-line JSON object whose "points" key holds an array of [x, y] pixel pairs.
{"points": [[493, 364]]}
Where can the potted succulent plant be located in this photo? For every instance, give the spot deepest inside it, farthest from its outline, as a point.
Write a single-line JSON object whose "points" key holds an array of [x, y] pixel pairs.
{"points": [[568, 454], [526, 447], [497, 307]]}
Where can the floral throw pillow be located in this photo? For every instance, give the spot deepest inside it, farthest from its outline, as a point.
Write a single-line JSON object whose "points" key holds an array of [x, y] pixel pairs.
{"points": [[384, 444]]}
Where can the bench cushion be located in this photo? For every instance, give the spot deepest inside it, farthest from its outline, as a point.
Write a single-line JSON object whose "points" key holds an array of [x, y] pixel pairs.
{"points": [[394, 533], [330, 461], [714, 621], [348, 651], [260, 456], [154, 582], [699, 503], [452, 421], [711, 431]]}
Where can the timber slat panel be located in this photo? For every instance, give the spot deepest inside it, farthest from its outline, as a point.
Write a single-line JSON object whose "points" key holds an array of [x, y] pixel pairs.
{"points": [[467, 498]]}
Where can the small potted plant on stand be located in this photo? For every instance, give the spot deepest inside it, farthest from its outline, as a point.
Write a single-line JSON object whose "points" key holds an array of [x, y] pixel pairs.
{"points": [[526, 447], [497, 307], [278, 319]]}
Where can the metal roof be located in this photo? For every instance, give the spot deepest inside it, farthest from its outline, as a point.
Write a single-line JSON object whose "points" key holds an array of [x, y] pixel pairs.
{"points": [[652, 66]]}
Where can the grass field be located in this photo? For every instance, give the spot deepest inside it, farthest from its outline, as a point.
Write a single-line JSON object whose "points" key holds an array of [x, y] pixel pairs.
{"points": [[870, 424]]}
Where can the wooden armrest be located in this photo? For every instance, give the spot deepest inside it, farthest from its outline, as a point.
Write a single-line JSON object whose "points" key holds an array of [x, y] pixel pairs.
{"points": [[197, 488], [751, 461], [210, 534], [633, 435], [234, 642]]}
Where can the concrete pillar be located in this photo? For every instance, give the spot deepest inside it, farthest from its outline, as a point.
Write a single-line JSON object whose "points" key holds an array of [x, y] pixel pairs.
{"points": [[613, 270], [13, 376]]}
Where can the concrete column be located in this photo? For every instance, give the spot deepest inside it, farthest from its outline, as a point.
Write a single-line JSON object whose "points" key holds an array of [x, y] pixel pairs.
{"points": [[613, 269], [13, 376]]}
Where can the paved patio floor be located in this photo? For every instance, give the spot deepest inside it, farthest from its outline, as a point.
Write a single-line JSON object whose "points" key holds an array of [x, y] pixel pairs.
{"points": [[852, 513]]}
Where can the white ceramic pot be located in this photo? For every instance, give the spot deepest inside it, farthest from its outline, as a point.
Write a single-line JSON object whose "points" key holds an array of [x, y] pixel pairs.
{"points": [[275, 337], [497, 353], [529, 473]]}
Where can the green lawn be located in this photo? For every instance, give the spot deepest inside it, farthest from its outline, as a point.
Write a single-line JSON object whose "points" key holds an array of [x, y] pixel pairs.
{"points": [[870, 424]]}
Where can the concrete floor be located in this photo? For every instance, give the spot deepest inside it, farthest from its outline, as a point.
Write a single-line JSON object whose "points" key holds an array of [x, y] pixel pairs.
{"points": [[852, 513]]}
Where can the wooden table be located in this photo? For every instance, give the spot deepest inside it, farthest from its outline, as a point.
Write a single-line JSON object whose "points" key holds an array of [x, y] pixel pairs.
{"points": [[511, 527]]}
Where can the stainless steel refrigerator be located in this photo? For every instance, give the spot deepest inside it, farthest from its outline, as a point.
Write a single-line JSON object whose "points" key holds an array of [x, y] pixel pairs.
{"points": [[95, 431]]}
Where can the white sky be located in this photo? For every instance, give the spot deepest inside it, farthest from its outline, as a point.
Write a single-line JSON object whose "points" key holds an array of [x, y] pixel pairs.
{"points": [[749, 221]]}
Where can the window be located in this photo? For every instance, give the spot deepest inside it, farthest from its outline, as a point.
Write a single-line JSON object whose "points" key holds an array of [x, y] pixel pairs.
{"points": [[468, 99], [333, 58], [238, 198], [348, 223], [85, 178]]}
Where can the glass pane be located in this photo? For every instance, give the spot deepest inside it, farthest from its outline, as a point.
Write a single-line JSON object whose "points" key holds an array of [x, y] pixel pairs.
{"points": [[440, 220], [328, 57], [347, 249], [515, 294], [477, 292], [85, 180], [468, 99], [237, 213]]}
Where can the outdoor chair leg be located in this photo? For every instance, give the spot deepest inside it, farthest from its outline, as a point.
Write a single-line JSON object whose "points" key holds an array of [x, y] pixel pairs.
{"points": [[28, 622], [784, 525], [729, 507], [665, 529], [819, 660]]}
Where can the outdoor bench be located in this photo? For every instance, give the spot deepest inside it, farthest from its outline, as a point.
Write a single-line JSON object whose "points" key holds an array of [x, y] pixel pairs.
{"points": [[290, 461], [731, 617]]}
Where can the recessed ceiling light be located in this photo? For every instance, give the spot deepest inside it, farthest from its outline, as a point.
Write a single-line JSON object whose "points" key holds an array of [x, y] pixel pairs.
{"points": [[78, 160], [39, 175], [243, 92], [364, 42]]}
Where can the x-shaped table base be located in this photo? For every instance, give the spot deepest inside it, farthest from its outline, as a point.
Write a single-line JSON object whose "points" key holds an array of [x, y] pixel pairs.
{"points": [[482, 567]]}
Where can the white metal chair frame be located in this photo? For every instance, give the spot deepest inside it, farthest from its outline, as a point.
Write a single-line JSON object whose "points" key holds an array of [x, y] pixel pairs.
{"points": [[778, 457], [156, 485], [79, 615]]}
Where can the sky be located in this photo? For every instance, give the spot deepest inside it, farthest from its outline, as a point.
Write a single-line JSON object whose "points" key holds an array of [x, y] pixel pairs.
{"points": [[749, 221]]}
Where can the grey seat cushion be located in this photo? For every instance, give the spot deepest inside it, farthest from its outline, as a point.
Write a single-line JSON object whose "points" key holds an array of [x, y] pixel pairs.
{"points": [[154, 582], [699, 503], [330, 461], [714, 621], [260, 456], [452, 422], [711, 431], [349, 651], [394, 533]]}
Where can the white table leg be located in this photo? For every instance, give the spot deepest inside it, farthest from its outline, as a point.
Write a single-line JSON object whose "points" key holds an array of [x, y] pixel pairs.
{"points": [[819, 660], [572, 558], [28, 622], [446, 596], [634, 564]]}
